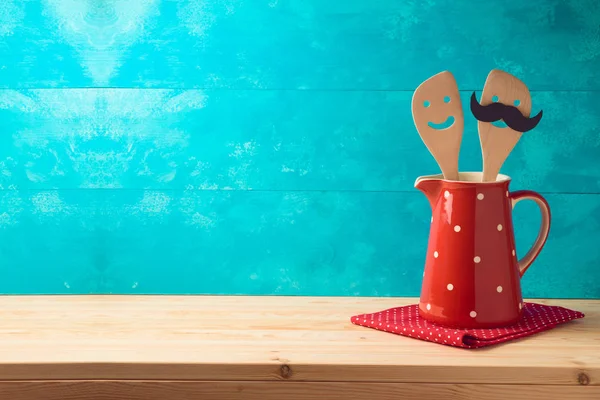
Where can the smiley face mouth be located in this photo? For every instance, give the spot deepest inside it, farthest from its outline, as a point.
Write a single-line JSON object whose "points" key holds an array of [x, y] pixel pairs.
{"points": [[443, 125]]}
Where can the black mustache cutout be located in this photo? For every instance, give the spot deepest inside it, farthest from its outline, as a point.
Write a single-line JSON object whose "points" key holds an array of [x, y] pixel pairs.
{"points": [[509, 114]]}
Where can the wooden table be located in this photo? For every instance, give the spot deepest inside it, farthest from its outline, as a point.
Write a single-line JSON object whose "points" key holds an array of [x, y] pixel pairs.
{"points": [[168, 347]]}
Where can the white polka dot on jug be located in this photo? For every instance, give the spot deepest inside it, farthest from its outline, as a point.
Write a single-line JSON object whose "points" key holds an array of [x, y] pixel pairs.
{"points": [[457, 228], [472, 314], [446, 194], [499, 227], [480, 196]]}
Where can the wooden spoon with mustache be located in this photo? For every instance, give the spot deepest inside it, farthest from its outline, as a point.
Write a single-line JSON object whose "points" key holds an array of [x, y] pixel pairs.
{"points": [[438, 116], [498, 142]]}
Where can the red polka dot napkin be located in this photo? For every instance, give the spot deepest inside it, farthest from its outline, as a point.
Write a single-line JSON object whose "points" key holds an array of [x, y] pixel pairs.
{"points": [[406, 321]]}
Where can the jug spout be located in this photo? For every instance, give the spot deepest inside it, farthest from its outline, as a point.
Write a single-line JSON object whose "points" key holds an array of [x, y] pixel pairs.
{"points": [[430, 186]]}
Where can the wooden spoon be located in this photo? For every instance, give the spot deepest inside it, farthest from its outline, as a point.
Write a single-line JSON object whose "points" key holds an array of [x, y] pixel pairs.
{"points": [[498, 142], [438, 116]]}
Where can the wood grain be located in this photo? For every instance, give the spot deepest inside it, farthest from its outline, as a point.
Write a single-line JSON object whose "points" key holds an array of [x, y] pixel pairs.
{"points": [[261, 242], [243, 390], [267, 339]]}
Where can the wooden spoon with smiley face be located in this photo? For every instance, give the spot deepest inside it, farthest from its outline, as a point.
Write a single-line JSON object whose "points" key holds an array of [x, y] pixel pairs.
{"points": [[438, 116], [499, 137]]}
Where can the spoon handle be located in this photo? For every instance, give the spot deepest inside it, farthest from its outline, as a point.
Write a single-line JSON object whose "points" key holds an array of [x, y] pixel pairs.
{"points": [[496, 146]]}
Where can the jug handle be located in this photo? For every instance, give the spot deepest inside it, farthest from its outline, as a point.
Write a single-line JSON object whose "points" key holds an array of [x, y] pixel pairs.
{"points": [[539, 243]]}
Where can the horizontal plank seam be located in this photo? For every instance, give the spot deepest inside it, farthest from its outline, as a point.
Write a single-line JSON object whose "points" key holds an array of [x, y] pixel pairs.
{"points": [[267, 295], [267, 89], [411, 191]]}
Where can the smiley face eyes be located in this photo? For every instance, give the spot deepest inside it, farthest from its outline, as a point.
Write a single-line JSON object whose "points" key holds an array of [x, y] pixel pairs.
{"points": [[427, 103]]}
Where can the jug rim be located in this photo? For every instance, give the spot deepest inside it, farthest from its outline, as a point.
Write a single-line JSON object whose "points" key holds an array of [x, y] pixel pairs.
{"points": [[467, 177]]}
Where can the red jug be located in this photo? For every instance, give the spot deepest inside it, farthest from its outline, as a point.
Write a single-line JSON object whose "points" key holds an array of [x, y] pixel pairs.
{"points": [[472, 275]]}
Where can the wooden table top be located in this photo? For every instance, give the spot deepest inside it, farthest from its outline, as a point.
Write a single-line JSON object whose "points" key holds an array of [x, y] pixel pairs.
{"points": [[269, 338]]}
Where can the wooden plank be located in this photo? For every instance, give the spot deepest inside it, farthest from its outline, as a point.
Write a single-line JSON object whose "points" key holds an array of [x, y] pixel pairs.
{"points": [[379, 44], [220, 390], [249, 242], [268, 338], [268, 140]]}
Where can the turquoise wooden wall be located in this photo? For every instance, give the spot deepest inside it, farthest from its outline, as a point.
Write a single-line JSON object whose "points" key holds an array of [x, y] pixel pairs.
{"points": [[267, 146]]}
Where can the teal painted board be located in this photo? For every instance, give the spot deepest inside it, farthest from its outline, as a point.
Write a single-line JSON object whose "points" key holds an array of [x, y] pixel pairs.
{"points": [[267, 140], [296, 44], [287, 243], [267, 147]]}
